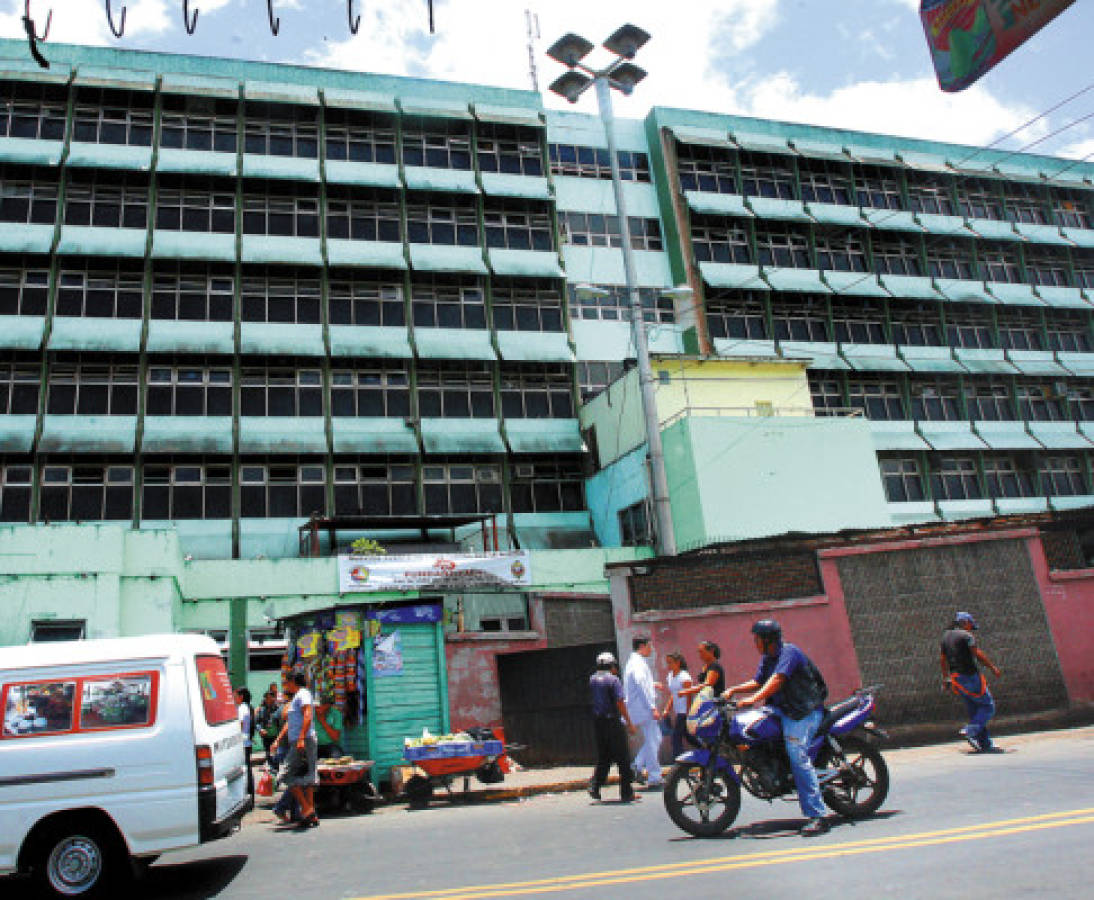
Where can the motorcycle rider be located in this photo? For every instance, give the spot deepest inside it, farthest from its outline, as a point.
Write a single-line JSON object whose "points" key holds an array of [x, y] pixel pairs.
{"points": [[788, 681]]}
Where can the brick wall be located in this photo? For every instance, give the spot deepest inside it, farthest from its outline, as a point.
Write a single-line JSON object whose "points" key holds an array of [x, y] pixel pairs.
{"points": [[899, 602], [1063, 549], [701, 581], [577, 621]]}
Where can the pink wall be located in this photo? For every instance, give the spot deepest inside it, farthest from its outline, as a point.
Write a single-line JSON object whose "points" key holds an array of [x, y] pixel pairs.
{"points": [[1069, 605], [474, 696]]}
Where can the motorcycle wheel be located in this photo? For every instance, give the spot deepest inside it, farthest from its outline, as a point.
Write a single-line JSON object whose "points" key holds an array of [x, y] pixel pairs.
{"points": [[685, 797], [864, 783]]}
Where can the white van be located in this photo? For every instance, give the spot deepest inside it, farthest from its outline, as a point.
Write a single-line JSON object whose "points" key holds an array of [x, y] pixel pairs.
{"points": [[113, 752]]}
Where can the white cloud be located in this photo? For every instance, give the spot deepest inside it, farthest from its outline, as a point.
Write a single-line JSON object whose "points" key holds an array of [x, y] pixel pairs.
{"points": [[1082, 150]]}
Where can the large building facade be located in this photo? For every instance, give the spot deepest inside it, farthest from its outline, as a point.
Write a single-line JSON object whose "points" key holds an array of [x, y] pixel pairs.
{"points": [[236, 295]]}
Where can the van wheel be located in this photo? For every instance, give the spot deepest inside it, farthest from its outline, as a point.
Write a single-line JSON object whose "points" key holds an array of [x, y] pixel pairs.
{"points": [[78, 861]]}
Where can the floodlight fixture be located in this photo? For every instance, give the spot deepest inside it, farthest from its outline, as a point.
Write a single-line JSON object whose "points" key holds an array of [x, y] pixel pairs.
{"points": [[570, 85], [626, 76], [569, 49], [679, 292], [626, 41]]}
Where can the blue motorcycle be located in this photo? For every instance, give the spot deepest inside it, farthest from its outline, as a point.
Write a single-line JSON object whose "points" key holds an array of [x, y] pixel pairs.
{"points": [[703, 791]]}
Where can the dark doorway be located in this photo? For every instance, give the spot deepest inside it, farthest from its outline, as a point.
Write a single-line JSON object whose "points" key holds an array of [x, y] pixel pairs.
{"points": [[545, 703]]}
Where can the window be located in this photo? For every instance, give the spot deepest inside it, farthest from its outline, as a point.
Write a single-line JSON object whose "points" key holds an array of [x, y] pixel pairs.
{"points": [[217, 699], [106, 116], [448, 301], [186, 490], [896, 256], [265, 650], [1020, 328], [195, 205], [955, 478], [437, 143], [27, 195], [950, 259], [92, 389], [1062, 476], [371, 389], [936, 399], [978, 200], [593, 377], [716, 240], [547, 486], [1047, 267], [523, 304], [1024, 203], [878, 398], [877, 187], [43, 707], [988, 399], [635, 525], [1039, 402], [118, 701], [1004, 477], [362, 214], [86, 492], [286, 210], [53, 630], [537, 391], [375, 488], [490, 612], [767, 175], [969, 327], [463, 487], [520, 225], [859, 321], [107, 200], [824, 182], [595, 162], [707, 169], [841, 251], [442, 221], [827, 393], [597, 230], [1084, 270], [275, 129], [1068, 332], [739, 315], [23, 292], [916, 324], [359, 300], [111, 292], [19, 383], [194, 292], [282, 490], [198, 123], [1081, 400], [931, 196], [189, 391], [33, 111], [509, 149], [783, 246], [280, 391], [458, 390], [15, 488], [290, 299], [612, 303], [360, 136], [800, 317], [903, 479], [1071, 208]]}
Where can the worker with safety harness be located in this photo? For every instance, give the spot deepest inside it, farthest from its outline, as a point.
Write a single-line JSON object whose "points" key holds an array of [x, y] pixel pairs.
{"points": [[961, 675]]}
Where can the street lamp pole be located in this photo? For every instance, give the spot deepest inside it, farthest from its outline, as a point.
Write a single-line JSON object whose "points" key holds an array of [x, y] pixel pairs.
{"points": [[623, 76]]}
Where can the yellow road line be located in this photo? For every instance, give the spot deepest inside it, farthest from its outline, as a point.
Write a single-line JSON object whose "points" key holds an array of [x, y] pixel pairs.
{"points": [[749, 860]]}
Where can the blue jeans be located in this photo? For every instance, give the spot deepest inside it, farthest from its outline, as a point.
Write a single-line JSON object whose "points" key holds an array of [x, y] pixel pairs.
{"points": [[798, 735], [980, 709]]}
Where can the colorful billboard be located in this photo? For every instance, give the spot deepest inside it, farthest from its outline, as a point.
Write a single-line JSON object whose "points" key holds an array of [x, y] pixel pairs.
{"points": [[968, 37]]}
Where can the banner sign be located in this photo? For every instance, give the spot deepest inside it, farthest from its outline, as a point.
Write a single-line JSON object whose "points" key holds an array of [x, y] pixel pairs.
{"points": [[968, 37], [459, 571]]}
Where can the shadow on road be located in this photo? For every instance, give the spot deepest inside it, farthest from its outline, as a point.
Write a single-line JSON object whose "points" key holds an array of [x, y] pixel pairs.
{"points": [[766, 829], [190, 880]]}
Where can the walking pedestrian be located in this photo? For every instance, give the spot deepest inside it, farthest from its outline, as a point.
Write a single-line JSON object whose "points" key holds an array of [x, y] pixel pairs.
{"points": [[300, 772], [961, 675], [609, 714], [640, 694], [267, 722], [246, 714], [676, 709]]}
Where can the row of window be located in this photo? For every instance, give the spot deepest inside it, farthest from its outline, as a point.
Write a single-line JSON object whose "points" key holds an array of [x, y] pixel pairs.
{"points": [[953, 398], [581, 161], [755, 315], [612, 303], [598, 230], [80, 705], [716, 170], [937, 476], [201, 489]]}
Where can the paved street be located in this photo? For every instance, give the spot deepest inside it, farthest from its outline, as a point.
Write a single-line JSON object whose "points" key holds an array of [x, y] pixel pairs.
{"points": [[955, 825]]}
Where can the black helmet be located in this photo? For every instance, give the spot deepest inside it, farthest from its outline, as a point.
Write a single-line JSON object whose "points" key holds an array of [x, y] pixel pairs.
{"points": [[768, 630]]}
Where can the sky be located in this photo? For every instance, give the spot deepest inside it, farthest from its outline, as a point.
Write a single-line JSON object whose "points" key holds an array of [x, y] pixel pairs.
{"points": [[860, 64]]}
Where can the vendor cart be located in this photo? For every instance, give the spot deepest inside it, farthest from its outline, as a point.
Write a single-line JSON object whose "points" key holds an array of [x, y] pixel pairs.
{"points": [[347, 786], [440, 764]]}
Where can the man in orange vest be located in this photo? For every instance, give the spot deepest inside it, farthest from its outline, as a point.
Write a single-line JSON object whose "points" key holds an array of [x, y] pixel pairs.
{"points": [[959, 656]]}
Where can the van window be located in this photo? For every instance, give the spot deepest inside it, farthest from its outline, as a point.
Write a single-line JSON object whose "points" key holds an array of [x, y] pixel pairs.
{"points": [[39, 708], [118, 701], [216, 690]]}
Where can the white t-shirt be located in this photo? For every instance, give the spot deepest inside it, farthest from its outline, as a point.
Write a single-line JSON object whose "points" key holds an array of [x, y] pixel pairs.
{"points": [[244, 712], [675, 684]]}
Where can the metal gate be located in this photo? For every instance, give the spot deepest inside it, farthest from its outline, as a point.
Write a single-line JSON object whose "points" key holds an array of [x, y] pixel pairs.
{"points": [[545, 703]]}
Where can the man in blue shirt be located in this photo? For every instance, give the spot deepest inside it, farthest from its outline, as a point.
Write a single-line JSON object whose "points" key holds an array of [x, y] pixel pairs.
{"points": [[609, 713], [788, 681]]}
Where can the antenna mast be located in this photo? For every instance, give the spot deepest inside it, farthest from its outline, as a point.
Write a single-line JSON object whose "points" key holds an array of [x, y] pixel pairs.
{"points": [[533, 35]]}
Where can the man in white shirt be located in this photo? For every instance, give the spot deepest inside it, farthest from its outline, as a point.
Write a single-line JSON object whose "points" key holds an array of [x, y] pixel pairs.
{"points": [[640, 695]]}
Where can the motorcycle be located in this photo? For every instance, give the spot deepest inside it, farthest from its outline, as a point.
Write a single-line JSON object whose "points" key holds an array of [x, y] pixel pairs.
{"points": [[703, 791]]}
